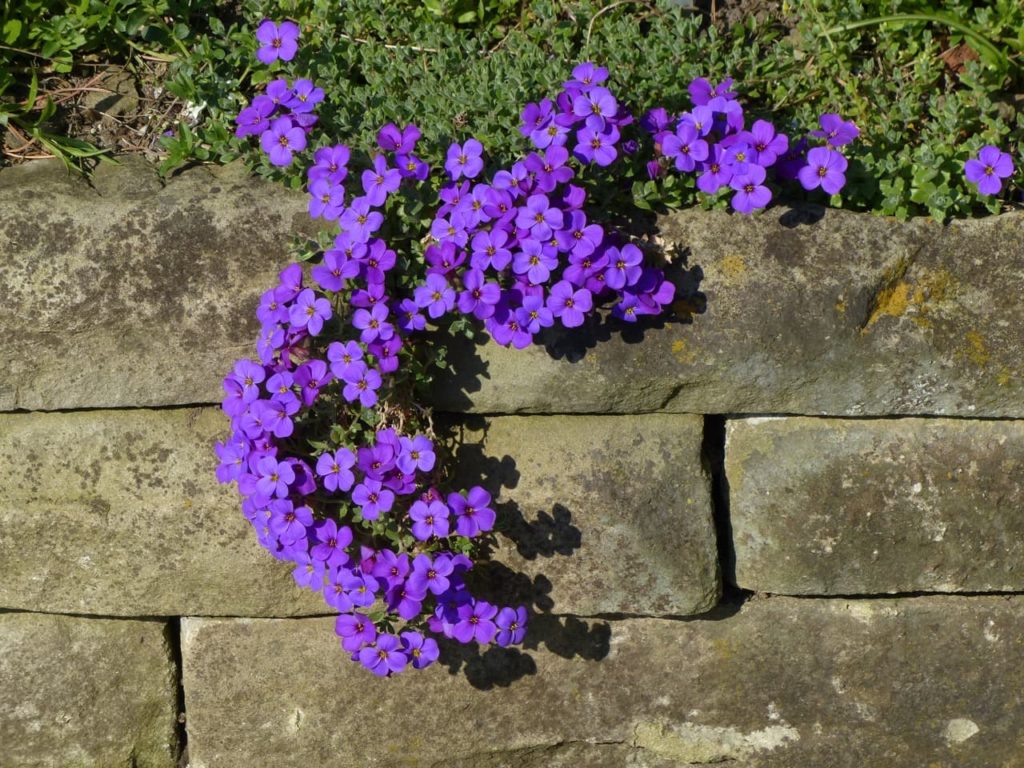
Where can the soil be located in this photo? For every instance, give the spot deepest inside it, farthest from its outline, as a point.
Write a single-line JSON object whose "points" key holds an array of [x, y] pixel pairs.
{"points": [[113, 107]]}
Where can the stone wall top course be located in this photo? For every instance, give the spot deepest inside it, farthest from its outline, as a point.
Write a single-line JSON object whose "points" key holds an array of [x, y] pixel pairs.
{"points": [[134, 293]]}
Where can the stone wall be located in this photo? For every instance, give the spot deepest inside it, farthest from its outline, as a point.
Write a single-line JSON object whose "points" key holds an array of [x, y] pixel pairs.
{"points": [[781, 528]]}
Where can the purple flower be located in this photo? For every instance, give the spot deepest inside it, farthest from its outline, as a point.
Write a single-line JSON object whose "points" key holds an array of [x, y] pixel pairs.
{"points": [[422, 650], [535, 260], [359, 221], [835, 130], [701, 91], [595, 145], [475, 622], [335, 269], [336, 469], [289, 522], [281, 139], [489, 250], [305, 96], [824, 168], [373, 324], [331, 543], [355, 631], [429, 519], [465, 160], [255, 118], [329, 163], [686, 147], [989, 169], [569, 305], [277, 41], [437, 297], [326, 199], [597, 102], [431, 575], [539, 217], [474, 516], [274, 477], [342, 356], [381, 181], [309, 312], [372, 498], [587, 74], [750, 190], [623, 266], [716, 173], [765, 144], [390, 139], [511, 623], [417, 453], [308, 572], [361, 383], [384, 658]]}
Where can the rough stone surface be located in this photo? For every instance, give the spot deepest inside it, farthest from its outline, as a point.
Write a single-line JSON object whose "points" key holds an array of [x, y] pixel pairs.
{"points": [[151, 290], [86, 693], [807, 312], [118, 513], [834, 506], [784, 682], [132, 292], [602, 514]]}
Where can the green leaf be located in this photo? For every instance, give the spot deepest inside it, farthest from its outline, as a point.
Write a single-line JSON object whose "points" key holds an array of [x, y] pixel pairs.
{"points": [[11, 31]]}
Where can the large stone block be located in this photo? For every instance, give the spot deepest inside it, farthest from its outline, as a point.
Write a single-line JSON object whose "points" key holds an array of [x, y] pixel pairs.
{"points": [[86, 693], [600, 514], [807, 312], [133, 292], [119, 513], [784, 682], [833, 506]]}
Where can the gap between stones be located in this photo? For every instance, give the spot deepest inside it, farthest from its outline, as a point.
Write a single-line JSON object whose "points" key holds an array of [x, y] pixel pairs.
{"points": [[173, 635], [497, 414]]}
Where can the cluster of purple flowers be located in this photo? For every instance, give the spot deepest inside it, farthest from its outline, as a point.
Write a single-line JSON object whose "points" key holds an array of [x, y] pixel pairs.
{"points": [[711, 141], [518, 251], [282, 117], [365, 523]]}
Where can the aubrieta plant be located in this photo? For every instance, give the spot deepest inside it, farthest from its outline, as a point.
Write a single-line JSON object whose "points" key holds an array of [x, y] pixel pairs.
{"points": [[339, 469]]}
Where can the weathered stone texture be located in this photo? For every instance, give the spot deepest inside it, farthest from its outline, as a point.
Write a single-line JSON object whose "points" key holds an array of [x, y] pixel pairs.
{"points": [[133, 293], [832, 506], [86, 693], [784, 682], [602, 514], [846, 315], [119, 513]]}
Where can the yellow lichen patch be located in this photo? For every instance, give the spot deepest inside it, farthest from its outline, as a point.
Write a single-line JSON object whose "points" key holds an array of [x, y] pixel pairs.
{"points": [[1004, 376], [976, 351], [841, 305], [892, 300], [922, 296], [733, 266], [682, 353]]}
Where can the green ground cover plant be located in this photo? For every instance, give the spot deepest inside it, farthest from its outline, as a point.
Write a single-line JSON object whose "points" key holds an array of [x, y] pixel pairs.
{"points": [[928, 84]]}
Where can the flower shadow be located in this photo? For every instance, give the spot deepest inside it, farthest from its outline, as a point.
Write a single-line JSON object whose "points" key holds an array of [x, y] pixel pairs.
{"points": [[521, 537]]}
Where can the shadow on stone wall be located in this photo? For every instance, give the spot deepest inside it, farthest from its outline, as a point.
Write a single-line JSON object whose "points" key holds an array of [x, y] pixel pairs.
{"points": [[529, 537]]}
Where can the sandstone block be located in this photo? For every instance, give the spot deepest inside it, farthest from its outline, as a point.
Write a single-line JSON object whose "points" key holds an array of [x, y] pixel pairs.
{"points": [[782, 682], [834, 506], [86, 693], [119, 513], [599, 514]]}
